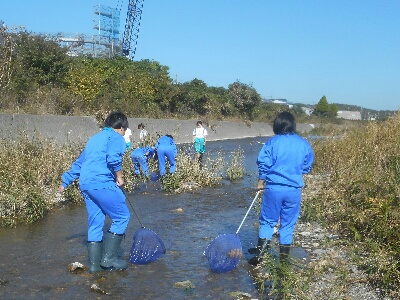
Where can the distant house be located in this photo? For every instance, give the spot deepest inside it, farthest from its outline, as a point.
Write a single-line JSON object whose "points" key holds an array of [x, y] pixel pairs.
{"points": [[307, 110], [349, 115], [278, 101]]}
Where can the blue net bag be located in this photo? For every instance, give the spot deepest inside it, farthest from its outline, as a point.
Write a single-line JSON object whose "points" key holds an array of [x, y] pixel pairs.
{"points": [[154, 176], [224, 253], [147, 247]]}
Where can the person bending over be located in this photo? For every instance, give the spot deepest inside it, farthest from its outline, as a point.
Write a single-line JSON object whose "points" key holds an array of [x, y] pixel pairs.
{"points": [[166, 151], [140, 157]]}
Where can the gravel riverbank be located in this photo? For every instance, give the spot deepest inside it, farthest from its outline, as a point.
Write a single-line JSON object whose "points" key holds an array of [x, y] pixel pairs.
{"points": [[337, 276]]}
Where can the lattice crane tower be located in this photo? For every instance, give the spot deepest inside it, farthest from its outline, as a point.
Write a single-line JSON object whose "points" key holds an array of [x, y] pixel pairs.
{"points": [[132, 24]]}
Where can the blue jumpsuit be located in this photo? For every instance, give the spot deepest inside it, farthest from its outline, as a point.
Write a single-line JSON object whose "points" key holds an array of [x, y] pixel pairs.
{"points": [[281, 164], [139, 159], [95, 169], [166, 150]]}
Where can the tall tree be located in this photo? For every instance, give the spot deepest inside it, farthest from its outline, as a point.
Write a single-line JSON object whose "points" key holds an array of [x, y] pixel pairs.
{"points": [[322, 108], [32, 61], [245, 98], [333, 110], [194, 97]]}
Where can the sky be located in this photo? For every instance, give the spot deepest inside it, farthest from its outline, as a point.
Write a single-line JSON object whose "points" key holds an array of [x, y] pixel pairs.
{"points": [[299, 50]]}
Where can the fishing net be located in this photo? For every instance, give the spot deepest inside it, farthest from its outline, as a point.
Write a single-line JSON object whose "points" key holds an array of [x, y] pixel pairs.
{"points": [[224, 253], [154, 176], [147, 247]]}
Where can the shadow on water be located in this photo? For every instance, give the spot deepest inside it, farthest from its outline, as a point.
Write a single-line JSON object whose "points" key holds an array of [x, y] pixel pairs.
{"points": [[35, 258]]}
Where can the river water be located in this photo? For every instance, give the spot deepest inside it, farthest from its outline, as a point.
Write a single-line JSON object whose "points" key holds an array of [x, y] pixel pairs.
{"points": [[34, 259]]}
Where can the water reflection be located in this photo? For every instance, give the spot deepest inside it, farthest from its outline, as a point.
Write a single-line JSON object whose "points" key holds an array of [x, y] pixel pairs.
{"points": [[35, 258]]}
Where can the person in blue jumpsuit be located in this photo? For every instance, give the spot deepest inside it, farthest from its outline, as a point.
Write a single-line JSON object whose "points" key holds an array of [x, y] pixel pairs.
{"points": [[166, 151], [99, 169], [282, 162], [139, 157]]}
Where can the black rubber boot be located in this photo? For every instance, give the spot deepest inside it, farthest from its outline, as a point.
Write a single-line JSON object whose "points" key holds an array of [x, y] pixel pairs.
{"points": [[263, 246], [95, 251], [110, 259], [256, 250], [199, 157], [284, 250]]}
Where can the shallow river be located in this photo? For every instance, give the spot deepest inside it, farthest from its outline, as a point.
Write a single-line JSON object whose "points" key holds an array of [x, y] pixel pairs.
{"points": [[34, 259]]}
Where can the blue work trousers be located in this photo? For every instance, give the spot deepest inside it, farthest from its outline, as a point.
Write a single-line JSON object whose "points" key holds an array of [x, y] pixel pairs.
{"points": [[166, 152], [140, 161], [283, 204], [99, 203]]}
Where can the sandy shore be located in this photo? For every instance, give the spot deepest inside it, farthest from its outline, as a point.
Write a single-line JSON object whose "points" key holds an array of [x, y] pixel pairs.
{"points": [[65, 129]]}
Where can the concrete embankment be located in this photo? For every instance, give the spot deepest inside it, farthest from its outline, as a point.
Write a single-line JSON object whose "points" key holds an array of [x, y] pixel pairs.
{"points": [[65, 129]]}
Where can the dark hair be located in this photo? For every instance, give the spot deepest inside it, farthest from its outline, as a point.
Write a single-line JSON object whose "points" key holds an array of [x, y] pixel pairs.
{"points": [[140, 126], [116, 120], [170, 136], [199, 122], [284, 123]]}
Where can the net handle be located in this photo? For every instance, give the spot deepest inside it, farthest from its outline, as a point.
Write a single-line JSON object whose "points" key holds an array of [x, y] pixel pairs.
{"points": [[251, 205], [127, 199]]}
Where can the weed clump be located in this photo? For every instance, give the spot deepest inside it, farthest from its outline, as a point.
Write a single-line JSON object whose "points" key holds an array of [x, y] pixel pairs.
{"points": [[235, 169], [29, 176], [190, 175]]}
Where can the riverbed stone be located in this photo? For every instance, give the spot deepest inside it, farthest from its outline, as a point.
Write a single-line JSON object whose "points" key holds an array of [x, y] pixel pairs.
{"points": [[185, 284]]}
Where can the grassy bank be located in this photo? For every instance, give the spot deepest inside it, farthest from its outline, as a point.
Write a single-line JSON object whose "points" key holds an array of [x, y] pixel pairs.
{"points": [[354, 192], [360, 197], [31, 171]]}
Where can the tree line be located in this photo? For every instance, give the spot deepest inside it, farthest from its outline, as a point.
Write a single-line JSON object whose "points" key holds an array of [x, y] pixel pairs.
{"points": [[38, 77]]}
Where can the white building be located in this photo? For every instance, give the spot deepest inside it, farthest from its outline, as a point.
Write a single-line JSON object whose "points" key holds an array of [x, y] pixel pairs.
{"points": [[349, 115], [307, 110], [278, 101]]}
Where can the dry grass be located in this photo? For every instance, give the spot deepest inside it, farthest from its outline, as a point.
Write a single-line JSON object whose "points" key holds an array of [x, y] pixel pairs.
{"points": [[361, 195], [29, 176], [355, 192]]}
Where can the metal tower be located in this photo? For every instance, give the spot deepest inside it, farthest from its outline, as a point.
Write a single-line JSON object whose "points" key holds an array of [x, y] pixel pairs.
{"points": [[132, 25], [107, 27], [105, 43]]}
